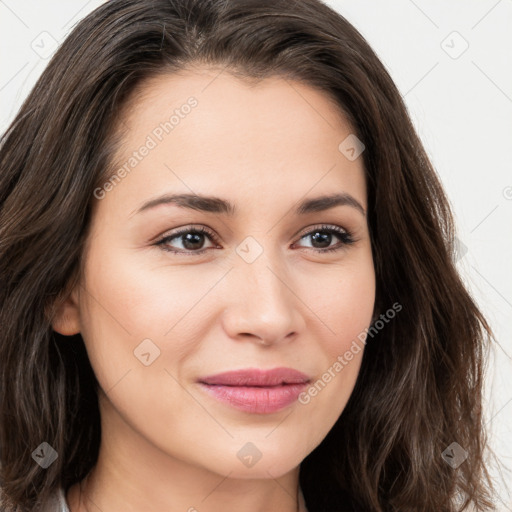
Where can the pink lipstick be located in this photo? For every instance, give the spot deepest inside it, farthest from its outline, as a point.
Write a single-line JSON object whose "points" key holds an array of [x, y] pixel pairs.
{"points": [[256, 391]]}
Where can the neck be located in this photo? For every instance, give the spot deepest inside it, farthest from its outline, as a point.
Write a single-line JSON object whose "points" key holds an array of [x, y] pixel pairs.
{"points": [[132, 474], [91, 496]]}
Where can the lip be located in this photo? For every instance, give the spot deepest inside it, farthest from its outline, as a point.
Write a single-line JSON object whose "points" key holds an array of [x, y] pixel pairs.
{"points": [[255, 390]]}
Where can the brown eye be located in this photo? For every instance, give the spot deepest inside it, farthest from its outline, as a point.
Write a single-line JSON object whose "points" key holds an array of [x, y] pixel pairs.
{"points": [[323, 236], [191, 239]]}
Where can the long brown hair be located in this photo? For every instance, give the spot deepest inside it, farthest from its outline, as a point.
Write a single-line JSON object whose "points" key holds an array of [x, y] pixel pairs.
{"points": [[420, 385]]}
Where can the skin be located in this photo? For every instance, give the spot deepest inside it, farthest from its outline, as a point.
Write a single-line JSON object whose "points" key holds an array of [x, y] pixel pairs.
{"points": [[166, 445]]}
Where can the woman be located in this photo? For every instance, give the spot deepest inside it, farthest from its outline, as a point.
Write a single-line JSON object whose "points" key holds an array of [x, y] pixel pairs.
{"points": [[315, 351]]}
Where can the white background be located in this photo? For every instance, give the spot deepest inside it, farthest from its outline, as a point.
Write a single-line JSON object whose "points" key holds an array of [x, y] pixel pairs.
{"points": [[460, 100]]}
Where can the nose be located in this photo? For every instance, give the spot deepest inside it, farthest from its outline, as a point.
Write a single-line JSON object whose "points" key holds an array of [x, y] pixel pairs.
{"points": [[262, 305]]}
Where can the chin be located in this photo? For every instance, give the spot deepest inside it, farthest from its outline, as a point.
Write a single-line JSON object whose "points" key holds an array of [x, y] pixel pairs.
{"points": [[263, 460]]}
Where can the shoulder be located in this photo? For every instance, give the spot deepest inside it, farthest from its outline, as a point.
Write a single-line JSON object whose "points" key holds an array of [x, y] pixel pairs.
{"points": [[61, 501], [58, 502]]}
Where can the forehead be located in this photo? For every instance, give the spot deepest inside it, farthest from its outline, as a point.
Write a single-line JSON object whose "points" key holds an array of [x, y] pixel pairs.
{"points": [[273, 110], [246, 135], [224, 88]]}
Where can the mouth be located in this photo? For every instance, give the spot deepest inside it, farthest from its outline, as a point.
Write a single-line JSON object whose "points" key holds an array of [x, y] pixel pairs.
{"points": [[254, 390]]}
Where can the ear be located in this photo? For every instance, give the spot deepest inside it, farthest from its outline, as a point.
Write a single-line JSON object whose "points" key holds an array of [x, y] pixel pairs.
{"points": [[66, 319]]}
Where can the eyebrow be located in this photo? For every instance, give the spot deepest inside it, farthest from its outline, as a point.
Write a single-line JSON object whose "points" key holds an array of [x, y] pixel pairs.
{"points": [[212, 204]]}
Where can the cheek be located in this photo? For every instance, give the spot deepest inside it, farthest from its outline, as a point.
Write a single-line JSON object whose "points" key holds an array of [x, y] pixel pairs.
{"points": [[130, 300], [137, 312], [344, 303], [345, 308]]}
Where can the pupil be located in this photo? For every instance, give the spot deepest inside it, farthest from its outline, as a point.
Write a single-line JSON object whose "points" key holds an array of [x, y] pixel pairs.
{"points": [[323, 238], [192, 238]]}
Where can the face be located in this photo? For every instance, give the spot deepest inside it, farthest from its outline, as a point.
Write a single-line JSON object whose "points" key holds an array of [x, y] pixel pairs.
{"points": [[174, 292]]}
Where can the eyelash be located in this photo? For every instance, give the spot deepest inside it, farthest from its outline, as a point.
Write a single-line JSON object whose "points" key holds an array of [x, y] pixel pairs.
{"points": [[346, 237]]}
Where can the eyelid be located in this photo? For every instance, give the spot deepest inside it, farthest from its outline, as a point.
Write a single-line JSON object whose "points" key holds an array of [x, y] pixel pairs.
{"points": [[320, 227], [341, 232], [347, 236], [196, 228]]}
